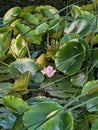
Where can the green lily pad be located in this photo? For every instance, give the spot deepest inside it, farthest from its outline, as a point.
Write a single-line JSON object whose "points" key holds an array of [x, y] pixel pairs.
{"points": [[69, 37], [17, 105], [42, 28], [4, 88], [5, 39], [19, 46], [22, 65], [38, 78], [90, 87], [13, 24], [95, 124], [79, 79], [27, 9], [53, 23], [76, 11], [60, 87], [37, 113], [79, 26], [82, 24], [31, 18], [58, 122], [46, 12], [69, 58], [11, 15], [53, 10], [92, 106], [21, 84], [61, 122], [95, 58], [28, 33]]}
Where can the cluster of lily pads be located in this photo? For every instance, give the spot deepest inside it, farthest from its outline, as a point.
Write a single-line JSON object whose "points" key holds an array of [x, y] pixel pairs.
{"points": [[48, 68]]}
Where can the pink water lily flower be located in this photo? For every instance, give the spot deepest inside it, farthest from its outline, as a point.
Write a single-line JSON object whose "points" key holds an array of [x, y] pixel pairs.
{"points": [[49, 71]]}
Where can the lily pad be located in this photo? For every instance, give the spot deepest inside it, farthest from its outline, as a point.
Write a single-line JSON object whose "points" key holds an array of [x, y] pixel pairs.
{"points": [[19, 46], [95, 124], [95, 57], [37, 113], [58, 122], [17, 105], [90, 87], [69, 37], [42, 28], [46, 12], [79, 26], [22, 65], [21, 84], [92, 106], [79, 79], [31, 18], [69, 58], [61, 122], [76, 11], [11, 15], [4, 88], [28, 33]]}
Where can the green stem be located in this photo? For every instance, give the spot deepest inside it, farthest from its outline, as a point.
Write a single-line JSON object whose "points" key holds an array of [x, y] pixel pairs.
{"points": [[4, 63]]}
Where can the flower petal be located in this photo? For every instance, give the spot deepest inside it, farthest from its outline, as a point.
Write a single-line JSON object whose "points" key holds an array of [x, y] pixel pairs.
{"points": [[49, 71]]}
